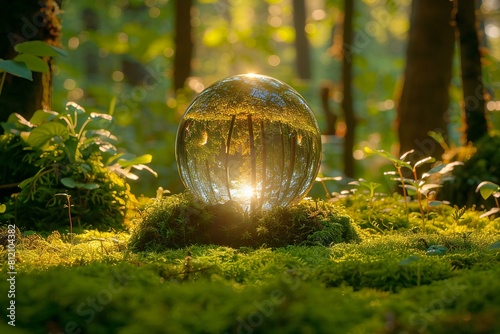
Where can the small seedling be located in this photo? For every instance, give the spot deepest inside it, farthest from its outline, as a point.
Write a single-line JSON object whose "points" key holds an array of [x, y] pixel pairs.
{"points": [[416, 184], [458, 214], [371, 186], [68, 205], [423, 187]]}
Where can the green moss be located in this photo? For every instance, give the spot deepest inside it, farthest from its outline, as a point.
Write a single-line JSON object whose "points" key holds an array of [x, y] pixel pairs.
{"points": [[180, 220], [385, 282], [210, 289]]}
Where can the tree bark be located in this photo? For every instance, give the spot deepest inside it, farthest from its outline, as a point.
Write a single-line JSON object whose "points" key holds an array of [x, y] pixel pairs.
{"points": [[303, 60], [470, 63], [424, 99], [183, 43], [330, 116], [347, 106], [91, 23], [25, 21]]}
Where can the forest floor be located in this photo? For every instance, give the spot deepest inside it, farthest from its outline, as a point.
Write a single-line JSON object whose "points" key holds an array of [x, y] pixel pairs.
{"points": [[404, 274]]}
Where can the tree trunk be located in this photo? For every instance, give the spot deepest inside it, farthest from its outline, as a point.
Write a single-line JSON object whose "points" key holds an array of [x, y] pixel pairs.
{"points": [[425, 97], [303, 60], [23, 21], [347, 107], [183, 43], [330, 116], [470, 62], [91, 23]]}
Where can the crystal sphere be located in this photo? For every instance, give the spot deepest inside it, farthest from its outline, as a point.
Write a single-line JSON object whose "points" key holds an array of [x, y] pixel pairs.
{"points": [[251, 139]]}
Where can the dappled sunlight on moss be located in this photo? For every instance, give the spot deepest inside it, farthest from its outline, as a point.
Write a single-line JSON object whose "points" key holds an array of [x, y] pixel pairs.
{"points": [[352, 277]]}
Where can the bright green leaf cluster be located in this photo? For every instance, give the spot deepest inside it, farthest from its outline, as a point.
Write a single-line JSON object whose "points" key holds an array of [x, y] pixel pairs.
{"points": [[29, 59], [69, 152]]}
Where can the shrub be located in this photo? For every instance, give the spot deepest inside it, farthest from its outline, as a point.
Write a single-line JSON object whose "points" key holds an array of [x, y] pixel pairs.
{"points": [[73, 154]]}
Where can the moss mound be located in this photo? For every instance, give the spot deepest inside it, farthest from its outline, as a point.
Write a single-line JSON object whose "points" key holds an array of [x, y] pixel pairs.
{"points": [[180, 220]]}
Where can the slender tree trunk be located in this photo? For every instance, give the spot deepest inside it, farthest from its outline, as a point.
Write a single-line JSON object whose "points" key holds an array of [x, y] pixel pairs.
{"points": [[425, 97], [91, 23], [183, 43], [23, 21], [347, 106], [470, 62], [303, 60], [331, 117]]}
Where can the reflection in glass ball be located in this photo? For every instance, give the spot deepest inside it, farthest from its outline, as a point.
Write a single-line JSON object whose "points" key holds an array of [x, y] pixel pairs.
{"points": [[251, 139]]}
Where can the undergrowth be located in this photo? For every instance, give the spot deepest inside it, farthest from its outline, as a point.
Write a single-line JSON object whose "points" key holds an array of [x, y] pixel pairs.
{"points": [[97, 285], [393, 279]]}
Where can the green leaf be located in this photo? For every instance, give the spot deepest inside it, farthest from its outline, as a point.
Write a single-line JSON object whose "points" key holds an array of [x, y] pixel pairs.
{"points": [[144, 167], [128, 160], [404, 155], [427, 187], [71, 149], [436, 203], [410, 259], [89, 186], [34, 63], [42, 116], [16, 123], [386, 155], [40, 135], [98, 123], [442, 169], [436, 250], [39, 48], [73, 107], [16, 68], [424, 161], [495, 245], [68, 182], [487, 188], [490, 212]]}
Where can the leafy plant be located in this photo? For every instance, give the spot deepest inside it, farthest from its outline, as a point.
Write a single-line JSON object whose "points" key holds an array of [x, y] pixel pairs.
{"points": [[415, 184], [487, 189], [478, 165], [371, 186], [73, 153], [423, 187]]}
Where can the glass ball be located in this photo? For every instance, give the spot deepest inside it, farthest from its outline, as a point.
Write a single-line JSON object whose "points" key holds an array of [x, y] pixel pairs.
{"points": [[251, 139]]}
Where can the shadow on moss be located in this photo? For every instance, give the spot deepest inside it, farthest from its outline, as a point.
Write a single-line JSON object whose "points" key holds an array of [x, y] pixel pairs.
{"points": [[180, 220]]}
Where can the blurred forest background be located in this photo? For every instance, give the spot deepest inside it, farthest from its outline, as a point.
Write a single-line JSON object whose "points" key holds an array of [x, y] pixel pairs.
{"points": [[147, 59]]}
